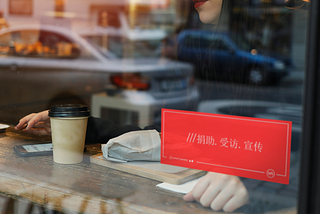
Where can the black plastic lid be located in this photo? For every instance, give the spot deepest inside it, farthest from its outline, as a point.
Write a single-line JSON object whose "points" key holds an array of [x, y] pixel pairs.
{"points": [[69, 110]]}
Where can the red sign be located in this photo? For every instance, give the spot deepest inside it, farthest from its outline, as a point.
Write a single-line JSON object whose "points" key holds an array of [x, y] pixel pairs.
{"points": [[241, 146]]}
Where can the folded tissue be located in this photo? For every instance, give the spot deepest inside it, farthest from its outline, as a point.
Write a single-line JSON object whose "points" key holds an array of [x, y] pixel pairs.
{"points": [[133, 146]]}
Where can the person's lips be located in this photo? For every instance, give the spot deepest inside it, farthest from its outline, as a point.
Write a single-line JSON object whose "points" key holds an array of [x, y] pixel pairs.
{"points": [[198, 3]]}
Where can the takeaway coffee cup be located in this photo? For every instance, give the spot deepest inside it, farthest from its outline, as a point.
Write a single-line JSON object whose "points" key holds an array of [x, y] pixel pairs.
{"points": [[68, 131]]}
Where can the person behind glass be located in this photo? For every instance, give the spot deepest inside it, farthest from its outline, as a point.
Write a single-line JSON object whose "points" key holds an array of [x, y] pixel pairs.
{"points": [[99, 130], [215, 190]]}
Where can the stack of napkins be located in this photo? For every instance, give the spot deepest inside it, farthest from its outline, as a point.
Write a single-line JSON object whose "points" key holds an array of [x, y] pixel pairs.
{"points": [[182, 188]]}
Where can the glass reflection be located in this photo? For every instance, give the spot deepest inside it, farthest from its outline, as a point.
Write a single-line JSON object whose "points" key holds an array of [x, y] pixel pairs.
{"points": [[243, 58]]}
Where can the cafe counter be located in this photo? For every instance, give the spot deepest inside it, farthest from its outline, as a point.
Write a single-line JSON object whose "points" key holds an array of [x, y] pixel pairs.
{"points": [[81, 188]]}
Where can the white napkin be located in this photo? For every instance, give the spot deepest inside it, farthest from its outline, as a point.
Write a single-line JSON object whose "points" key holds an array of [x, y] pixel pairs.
{"points": [[133, 146], [182, 188], [4, 126]]}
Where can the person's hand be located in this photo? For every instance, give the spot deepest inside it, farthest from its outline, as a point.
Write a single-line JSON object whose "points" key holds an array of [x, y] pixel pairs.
{"points": [[35, 123], [219, 191]]}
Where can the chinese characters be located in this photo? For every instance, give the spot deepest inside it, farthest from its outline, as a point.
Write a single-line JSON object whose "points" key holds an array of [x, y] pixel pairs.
{"points": [[224, 142]]}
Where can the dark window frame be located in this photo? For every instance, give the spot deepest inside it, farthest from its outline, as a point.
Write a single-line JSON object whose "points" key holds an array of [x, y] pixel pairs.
{"points": [[309, 189]]}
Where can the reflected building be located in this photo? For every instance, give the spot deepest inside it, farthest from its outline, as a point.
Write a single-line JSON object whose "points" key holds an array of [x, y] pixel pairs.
{"points": [[71, 37], [130, 19]]}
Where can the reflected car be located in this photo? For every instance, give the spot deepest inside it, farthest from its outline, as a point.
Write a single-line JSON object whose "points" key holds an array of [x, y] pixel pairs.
{"points": [[228, 56], [42, 65]]}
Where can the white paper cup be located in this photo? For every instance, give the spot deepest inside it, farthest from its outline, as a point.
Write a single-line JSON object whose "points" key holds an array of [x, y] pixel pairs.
{"points": [[68, 130]]}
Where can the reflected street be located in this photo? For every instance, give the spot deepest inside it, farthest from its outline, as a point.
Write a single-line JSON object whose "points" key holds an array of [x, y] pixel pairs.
{"points": [[281, 102], [128, 61]]}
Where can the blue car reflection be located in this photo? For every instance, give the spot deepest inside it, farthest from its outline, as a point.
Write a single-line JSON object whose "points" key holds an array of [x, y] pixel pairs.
{"points": [[228, 56]]}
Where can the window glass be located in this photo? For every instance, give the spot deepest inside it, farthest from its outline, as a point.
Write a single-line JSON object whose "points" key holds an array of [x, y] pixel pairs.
{"points": [[35, 43], [109, 19], [218, 44], [124, 48], [127, 61], [59, 5], [5, 40], [20, 7]]}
